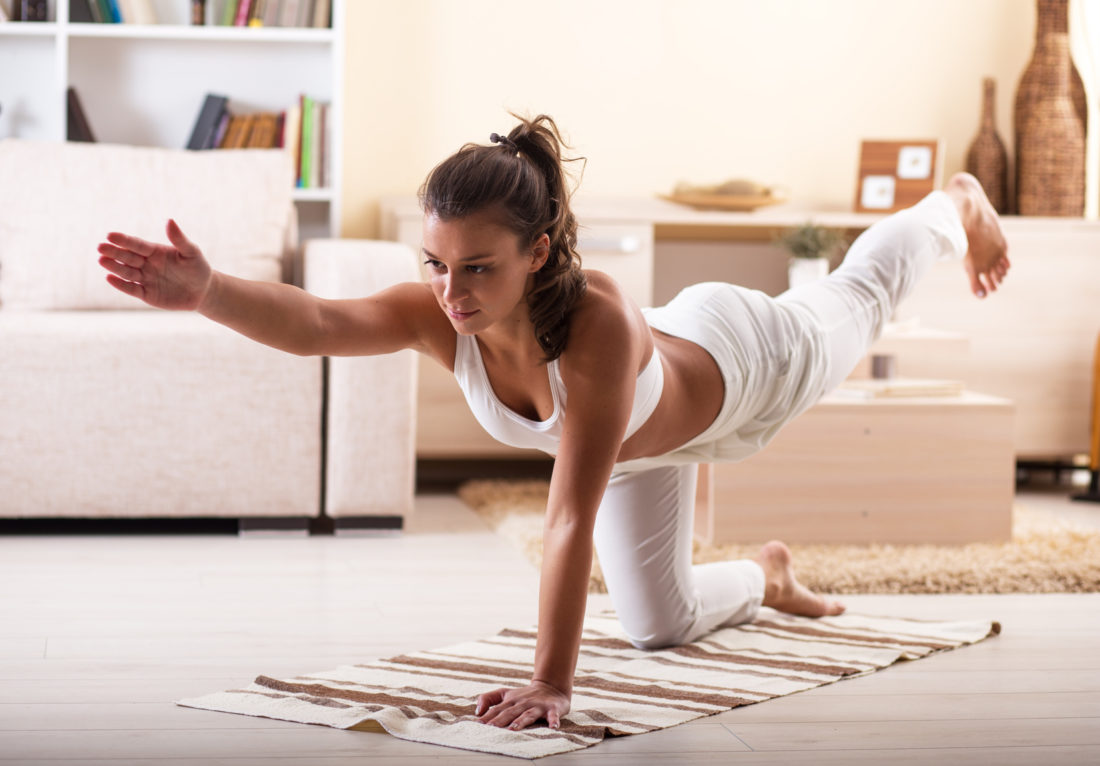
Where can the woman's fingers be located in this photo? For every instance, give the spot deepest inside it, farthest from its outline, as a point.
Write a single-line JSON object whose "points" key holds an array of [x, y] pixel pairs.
{"points": [[525, 719], [488, 700], [126, 242], [129, 257], [130, 288], [129, 273]]}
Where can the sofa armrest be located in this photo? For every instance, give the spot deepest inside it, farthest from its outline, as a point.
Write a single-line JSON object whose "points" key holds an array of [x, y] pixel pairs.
{"points": [[370, 437]]}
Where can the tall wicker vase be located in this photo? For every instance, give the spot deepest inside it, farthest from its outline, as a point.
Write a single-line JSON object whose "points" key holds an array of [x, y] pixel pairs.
{"points": [[987, 159], [1050, 133]]}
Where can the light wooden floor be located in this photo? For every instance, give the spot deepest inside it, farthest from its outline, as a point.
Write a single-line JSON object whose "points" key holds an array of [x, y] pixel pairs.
{"points": [[98, 635]]}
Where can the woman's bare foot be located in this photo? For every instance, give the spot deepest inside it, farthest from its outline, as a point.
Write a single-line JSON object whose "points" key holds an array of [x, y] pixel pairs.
{"points": [[986, 261], [786, 594]]}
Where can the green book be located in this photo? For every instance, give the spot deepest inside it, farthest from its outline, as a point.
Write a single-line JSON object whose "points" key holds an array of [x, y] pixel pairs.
{"points": [[307, 141]]}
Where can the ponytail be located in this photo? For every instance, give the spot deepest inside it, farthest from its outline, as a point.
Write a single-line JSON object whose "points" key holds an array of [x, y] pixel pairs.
{"points": [[523, 174]]}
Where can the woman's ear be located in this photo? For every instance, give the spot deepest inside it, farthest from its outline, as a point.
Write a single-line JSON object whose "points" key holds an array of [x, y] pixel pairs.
{"points": [[540, 251]]}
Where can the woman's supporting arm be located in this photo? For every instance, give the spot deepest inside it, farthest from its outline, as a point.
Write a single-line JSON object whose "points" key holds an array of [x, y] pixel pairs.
{"points": [[601, 373]]}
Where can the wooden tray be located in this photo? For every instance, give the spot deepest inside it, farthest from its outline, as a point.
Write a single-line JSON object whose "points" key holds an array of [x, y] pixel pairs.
{"points": [[729, 202]]}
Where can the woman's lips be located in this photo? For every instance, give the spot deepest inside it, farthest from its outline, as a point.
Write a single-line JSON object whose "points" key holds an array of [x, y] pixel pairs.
{"points": [[460, 315]]}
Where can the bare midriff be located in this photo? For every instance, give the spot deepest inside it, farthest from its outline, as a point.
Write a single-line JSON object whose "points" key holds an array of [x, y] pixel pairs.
{"points": [[690, 401]]}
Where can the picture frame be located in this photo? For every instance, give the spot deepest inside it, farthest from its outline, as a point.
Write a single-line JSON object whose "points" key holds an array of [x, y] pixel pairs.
{"points": [[894, 175]]}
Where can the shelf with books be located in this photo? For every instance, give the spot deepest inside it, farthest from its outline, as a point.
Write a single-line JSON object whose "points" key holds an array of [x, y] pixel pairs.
{"points": [[144, 84]]}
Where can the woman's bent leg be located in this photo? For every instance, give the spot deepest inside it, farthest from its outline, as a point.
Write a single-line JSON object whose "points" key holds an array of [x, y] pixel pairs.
{"points": [[643, 537], [882, 266]]}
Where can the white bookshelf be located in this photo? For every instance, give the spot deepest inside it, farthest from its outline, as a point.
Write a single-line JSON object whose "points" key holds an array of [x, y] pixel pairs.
{"points": [[144, 84]]}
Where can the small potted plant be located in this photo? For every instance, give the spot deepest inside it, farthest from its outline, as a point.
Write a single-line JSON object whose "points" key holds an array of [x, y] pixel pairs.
{"points": [[811, 247]]}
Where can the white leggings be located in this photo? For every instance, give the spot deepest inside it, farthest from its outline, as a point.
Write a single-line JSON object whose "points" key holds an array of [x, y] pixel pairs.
{"points": [[643, 531]]}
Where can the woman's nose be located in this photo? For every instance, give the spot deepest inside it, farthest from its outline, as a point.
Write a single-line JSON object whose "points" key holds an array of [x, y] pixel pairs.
{"points": [[452, 287]]}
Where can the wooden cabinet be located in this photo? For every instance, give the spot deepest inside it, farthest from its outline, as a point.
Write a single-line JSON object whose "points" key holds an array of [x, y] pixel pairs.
{"points": [[936, 470]]}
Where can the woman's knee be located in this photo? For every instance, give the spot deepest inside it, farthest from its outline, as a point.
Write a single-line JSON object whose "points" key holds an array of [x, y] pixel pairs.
{"points": [[657, 635]]}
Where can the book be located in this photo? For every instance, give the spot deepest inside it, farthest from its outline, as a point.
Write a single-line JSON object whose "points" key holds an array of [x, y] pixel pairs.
{"points": [[229, 13], [305, 13], [288, 13], [321, 14], [104, 11], [78, 128], [219, 134], [30, 10], [140, 12], [115, 15], [206, 124], [319, 145], [271, 13], [894, 388], [243, 7], [292, 133], [306, 141], [80, 12]]}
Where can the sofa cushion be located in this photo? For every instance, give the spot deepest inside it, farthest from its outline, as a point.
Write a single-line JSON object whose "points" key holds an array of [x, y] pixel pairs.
{"points": [[59, 200], [153, 414]]}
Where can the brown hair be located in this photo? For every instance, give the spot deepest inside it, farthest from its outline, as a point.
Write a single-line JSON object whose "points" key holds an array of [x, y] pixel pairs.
{"points": [[522, 174]]}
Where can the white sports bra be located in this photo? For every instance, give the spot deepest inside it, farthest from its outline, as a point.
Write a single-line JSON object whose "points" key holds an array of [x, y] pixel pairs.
{"points": [[507, 426]]}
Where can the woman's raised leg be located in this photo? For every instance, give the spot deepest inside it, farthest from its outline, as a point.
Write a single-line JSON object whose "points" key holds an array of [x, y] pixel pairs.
{"points": [[885, 263]]}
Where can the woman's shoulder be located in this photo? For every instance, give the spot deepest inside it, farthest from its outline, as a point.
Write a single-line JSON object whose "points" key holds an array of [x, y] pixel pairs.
{"points": [[604, 292], [605, 320]]}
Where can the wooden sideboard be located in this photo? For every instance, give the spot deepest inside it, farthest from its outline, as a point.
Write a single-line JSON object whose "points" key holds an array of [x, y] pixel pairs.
{"points": [[1030, 342]]}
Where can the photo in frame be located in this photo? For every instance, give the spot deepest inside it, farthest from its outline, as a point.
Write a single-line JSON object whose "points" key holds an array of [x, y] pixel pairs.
{"points": [[894, 175]]}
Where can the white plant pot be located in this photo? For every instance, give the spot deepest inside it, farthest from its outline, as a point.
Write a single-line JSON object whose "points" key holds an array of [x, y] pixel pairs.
{"points": [[801, 271]]}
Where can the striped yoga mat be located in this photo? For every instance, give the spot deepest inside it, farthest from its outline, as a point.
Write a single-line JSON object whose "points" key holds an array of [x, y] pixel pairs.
{"points": [[429, 696]]}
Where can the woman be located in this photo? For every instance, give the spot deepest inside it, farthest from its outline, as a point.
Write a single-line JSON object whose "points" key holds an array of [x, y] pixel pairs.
{"points": [[649, 394]]}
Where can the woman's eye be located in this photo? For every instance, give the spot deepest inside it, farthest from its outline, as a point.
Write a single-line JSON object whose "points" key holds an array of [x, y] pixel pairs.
{"points": [[434, 265], [476, 269]]}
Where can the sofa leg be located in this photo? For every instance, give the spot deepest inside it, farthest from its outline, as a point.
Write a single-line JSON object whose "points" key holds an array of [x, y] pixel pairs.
{"points": [[282, 525]]}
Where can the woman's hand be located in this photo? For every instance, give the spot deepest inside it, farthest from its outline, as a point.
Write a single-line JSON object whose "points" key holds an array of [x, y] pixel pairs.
{"points": [[519, 708], [175, 276]]}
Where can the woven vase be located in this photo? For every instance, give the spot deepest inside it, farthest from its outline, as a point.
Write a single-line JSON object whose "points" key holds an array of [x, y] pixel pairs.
{"points": [[1050, 128], [987, 159]]}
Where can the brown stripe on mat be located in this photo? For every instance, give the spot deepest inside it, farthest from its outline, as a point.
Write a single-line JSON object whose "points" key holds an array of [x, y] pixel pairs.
{"points": [[692, 684], [462, 667], [381, 666], [698, 652], [657, 692], [329, 692], [805, 630], [867, 629], [810, 640], [743, 671]]}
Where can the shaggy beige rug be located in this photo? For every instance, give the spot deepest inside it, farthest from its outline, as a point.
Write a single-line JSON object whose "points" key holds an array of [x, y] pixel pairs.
{"points": [[1043, 557]]}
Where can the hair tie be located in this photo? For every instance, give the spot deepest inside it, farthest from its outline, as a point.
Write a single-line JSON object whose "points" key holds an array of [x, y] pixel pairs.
{"points": [[504, 141]]}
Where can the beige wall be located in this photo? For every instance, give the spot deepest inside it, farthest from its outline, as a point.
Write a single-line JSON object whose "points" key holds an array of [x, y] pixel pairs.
{"points": [[658, 91]]}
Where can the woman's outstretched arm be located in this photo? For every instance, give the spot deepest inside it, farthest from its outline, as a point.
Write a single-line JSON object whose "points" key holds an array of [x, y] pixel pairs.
{"points": [[177, 276]]}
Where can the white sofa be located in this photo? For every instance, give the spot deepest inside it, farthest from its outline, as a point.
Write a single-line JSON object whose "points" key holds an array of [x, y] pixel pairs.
{"points": [[109, 409]]}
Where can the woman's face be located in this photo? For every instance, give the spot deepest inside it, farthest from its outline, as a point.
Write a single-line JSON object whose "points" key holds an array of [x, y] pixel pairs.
{"points": [[478, 271]]}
